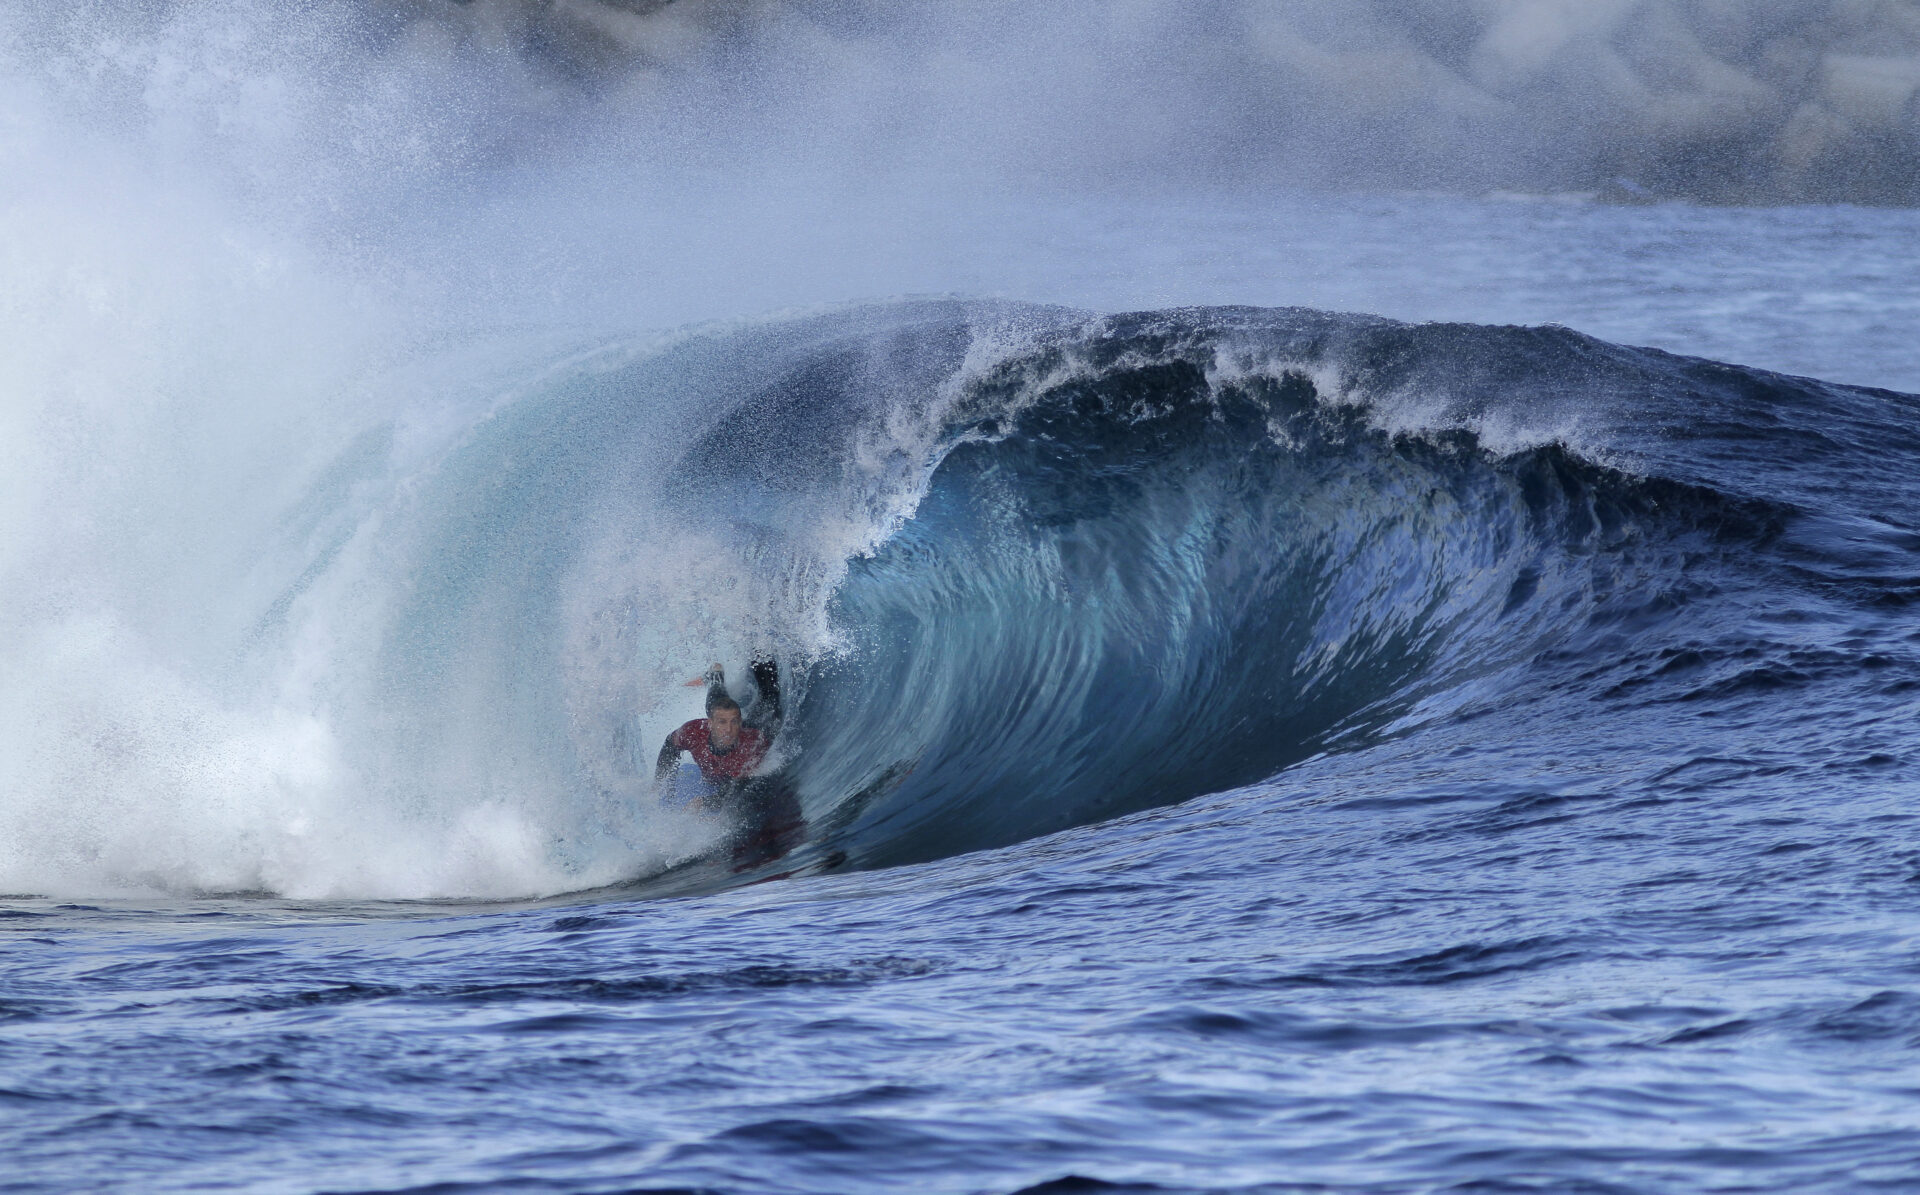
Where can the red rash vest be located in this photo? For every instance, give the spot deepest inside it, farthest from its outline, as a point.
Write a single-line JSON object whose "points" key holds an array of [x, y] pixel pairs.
{"points": [[748, 750]]}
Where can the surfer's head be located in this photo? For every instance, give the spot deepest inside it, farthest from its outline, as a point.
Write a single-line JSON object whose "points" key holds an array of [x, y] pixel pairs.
{"points": [[723, 721]]}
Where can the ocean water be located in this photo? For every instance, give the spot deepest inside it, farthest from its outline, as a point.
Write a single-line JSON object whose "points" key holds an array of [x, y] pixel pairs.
{"points": [[1287, 690]]}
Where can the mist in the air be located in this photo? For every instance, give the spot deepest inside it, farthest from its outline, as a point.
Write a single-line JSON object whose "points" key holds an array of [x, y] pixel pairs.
{"points": [[1762, 101]]}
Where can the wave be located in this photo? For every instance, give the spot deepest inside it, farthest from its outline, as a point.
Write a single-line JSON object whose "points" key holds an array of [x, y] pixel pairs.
{"points": [[1024, 569]]}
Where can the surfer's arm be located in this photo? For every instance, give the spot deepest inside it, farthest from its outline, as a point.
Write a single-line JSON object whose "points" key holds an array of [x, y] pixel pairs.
{"points": [[766, 679], [714, 678], [766, 683], [669, 761]]}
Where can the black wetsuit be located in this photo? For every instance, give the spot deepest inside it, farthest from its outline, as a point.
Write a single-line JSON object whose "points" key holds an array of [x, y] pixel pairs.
{"points": [[766, 682]]}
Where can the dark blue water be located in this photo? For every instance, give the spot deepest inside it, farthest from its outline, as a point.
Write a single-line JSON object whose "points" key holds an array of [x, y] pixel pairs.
{"points": [[1242, 750]]}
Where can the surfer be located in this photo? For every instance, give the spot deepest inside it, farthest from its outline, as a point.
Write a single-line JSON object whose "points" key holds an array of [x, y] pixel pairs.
{"points": [[723, 747], [727, 750]]}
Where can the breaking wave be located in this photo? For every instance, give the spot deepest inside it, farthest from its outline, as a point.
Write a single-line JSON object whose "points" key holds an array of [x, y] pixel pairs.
{"points": [[1024, 568]]}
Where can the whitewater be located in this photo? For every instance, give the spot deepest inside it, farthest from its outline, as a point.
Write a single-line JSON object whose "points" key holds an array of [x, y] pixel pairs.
{"points": [[1310, 663]]}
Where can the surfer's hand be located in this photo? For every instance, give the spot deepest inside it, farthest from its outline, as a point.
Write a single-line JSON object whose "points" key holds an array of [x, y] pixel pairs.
{"points": [[713, 675]]}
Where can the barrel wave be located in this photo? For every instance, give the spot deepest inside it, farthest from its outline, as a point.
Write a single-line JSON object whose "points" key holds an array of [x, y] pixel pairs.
{"points": [[1026, 568]]}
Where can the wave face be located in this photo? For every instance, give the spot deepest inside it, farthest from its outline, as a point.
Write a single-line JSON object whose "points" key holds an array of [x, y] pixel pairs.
{"points": [[1170, 555]]}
